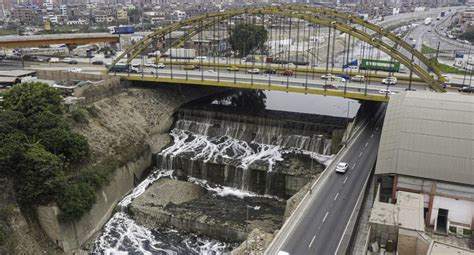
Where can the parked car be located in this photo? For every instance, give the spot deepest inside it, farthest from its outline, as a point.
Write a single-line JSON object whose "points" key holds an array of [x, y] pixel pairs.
{"points": [[97, 62], [253, 71], [66, 60], [390, 81], [466, 89], [287, 73], [72, 62], [233, 69], [342, 167], [359, 78], [201, 57]]}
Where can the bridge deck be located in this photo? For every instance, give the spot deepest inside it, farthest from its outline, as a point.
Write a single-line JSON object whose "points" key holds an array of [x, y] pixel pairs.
{"points": [[242, 85], [45, 40]]}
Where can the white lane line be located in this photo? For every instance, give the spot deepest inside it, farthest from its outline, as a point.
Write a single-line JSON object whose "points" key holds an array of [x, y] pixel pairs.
{"points": [[312, 240], [336, 196], [360, 155], [366, 144], [346, 179], [325, 216], [353, 166], [372, 136]]}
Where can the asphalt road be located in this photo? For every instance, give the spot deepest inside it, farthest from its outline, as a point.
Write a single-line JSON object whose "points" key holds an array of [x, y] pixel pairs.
{"points": [[320, 228]]}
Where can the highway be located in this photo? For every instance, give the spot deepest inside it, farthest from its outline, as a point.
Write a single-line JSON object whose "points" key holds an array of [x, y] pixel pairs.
{"points": [[323, 221]]}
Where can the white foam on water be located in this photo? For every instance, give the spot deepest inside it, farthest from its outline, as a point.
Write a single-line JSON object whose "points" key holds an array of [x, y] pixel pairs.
{"points": [[223, 190], [137, 191], [122, 235]]}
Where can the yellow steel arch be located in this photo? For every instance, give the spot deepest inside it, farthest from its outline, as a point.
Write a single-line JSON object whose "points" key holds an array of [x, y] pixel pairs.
{"points": [[361, 35], [379, 30]]}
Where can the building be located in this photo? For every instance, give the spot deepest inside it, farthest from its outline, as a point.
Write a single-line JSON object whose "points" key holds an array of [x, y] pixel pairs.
{"points": [[24, 16], [63, 9], [427, 149], [122, 14]]}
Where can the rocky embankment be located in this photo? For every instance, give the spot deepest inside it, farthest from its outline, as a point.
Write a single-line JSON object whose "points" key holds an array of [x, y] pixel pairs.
{"points": [[193, 209], [134, 119]]}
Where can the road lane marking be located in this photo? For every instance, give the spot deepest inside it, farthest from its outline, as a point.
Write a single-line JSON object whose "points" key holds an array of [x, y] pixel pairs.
{"points": [[345, 179], [353, 166], [325, 216], [360, 155], [366, 144], [312, 240], [336, 196], [372, 136]]}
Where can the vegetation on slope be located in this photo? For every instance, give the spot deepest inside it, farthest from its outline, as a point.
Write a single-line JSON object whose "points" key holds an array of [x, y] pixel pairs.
{"points": [[41, 154]]}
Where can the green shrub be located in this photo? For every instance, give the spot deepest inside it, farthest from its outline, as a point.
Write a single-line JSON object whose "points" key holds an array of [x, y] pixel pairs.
{"points": [[93, 111], [80, 116], [75, 200]]}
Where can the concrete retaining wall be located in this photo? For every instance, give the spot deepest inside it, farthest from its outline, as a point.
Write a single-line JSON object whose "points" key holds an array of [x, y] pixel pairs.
{"points": [[66, 76], [71, 236], [100, 90]]}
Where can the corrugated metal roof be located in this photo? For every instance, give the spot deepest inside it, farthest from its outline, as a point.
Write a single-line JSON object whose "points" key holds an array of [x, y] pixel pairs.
{"points": [[429, 135]]}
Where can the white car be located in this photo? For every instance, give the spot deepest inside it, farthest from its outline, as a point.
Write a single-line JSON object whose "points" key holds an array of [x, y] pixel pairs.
{"points": [[390, 81], [359, 78], [67, 60], [342, 167], [328, 76], [210, 71], [75, 70], [159, 65], [386, 91], [253, 71], [54, 60], [201, 57], [447, 77]]}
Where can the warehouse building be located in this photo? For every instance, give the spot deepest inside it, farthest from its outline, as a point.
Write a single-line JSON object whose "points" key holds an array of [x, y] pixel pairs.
{"points": [[427, 148]]}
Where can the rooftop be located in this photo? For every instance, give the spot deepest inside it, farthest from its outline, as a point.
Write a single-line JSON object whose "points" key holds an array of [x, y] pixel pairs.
{"points": [[406, 213], [16, 73], [442, 249], [429, 135]]}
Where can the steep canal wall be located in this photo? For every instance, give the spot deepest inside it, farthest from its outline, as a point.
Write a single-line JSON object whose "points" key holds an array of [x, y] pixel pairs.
{"points": [[127, 128]]}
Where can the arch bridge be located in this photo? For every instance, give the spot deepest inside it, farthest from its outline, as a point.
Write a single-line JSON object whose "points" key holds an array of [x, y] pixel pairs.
{"points": [[322, 30]]}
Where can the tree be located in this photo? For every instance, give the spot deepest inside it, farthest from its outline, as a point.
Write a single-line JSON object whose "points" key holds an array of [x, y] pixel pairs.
{"points": [[75, 200], [12, 141], [248, 38], [40, 176], [32, 98], [251, 101], [72, 147]]}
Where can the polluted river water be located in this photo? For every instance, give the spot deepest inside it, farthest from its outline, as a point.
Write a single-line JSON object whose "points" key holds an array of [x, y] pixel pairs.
{"points": [[242, 149]]}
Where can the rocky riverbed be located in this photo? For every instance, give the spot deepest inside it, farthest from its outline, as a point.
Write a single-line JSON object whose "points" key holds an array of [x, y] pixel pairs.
{"points": [[202, 209]]}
